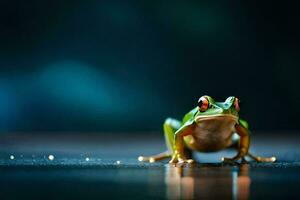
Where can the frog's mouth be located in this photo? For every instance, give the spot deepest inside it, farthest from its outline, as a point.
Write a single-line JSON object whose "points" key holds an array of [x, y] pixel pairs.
{"points": [[216, 116]]}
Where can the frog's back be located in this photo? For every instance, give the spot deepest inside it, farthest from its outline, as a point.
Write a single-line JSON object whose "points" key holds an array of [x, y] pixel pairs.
{"points": [[190, 115]]}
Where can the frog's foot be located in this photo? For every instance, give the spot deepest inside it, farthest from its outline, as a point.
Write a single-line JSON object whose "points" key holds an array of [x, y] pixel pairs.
{"points": [[155, 158], [231, 161], [177, 159], [262, 159]]}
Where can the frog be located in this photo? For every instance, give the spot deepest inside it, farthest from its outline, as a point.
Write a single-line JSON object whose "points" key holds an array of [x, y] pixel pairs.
{"points": [[209, 127]]}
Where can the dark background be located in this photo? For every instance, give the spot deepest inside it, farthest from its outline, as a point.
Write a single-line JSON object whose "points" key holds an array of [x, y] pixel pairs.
{"points": [[127, 65]]}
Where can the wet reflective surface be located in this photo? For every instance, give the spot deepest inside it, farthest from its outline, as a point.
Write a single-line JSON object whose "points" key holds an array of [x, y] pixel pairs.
{"points": [[164, 182], [31, 174], [207, 182]]}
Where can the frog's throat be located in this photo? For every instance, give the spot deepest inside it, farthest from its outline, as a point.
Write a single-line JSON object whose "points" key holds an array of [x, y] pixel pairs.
{"points": [[216, 116]]}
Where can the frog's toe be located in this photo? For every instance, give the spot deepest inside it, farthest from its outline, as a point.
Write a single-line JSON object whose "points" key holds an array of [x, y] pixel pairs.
{"points": [[262, 159], [273, 159], [146, 159], [173, 160], [231, 161], [185, 161], [141, 158]]}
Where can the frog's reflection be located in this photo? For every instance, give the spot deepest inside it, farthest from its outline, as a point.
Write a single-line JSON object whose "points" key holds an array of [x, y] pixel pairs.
{"points": [[207, 182]]}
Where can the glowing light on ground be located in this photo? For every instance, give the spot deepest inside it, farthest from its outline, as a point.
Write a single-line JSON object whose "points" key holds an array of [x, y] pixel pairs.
{"points": [[51, 157]]}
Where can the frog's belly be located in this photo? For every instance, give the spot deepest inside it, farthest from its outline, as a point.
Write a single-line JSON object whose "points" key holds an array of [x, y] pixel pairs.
{"points": [[212, 134]]}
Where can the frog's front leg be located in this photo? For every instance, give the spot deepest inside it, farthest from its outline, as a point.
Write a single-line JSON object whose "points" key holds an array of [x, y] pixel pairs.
{"points": [[178, 153], [243, 144]]}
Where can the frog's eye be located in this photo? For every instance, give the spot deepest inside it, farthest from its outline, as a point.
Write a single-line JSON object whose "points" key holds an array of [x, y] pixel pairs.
{"points": [[203, 104], [237, 104]]}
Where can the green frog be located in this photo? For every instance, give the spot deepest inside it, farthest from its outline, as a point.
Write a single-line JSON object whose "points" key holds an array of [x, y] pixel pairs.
{"points": [[210, 126]]}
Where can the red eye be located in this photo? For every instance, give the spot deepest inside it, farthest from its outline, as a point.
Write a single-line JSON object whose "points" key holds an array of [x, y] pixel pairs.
{"points": [[203, 104], [236, 104]]}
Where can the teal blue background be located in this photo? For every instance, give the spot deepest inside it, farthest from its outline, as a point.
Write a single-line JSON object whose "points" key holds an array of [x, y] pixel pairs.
{"points": [[127, 65]]}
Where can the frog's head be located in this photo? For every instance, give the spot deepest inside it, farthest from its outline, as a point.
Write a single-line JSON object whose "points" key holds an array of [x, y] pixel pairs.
{"points": [[209, 109]]}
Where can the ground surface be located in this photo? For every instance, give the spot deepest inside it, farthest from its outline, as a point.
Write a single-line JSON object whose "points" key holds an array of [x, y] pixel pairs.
{"points": [[105, 166]]}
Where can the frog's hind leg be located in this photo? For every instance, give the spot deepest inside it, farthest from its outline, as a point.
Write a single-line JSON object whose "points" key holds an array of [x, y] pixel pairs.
{"points": [[235, 145], [170, 127], [262, 159], [241, 141]]}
